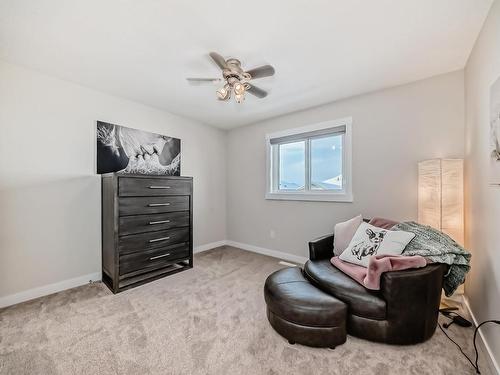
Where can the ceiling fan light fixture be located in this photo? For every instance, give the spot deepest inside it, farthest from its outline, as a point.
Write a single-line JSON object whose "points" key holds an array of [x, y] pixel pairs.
{"points": [[224, 93], [239, 88], [239, 97]]}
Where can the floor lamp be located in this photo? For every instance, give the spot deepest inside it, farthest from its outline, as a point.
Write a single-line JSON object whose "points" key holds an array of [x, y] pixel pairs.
{"points": [[441, 197]]}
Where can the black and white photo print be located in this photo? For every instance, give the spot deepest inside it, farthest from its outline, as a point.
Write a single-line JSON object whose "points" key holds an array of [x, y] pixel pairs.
{"points": [[495, 132], [126, 150]]}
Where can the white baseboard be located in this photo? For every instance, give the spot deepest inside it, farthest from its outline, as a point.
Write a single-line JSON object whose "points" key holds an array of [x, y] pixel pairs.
{"points": [[48, 289], [82, 280], [208, 246], [269, 252], [492, 360], [252, 248]]}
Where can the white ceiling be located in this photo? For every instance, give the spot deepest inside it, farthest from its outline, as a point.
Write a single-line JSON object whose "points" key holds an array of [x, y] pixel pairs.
{"points": [[322, 50]]}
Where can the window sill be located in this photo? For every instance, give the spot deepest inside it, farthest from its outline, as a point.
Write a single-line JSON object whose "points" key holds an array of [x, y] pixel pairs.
{"points": [[318, 197]]}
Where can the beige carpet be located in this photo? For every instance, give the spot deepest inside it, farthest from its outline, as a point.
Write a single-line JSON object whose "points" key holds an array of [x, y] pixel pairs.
{"points": [[208, 320]]}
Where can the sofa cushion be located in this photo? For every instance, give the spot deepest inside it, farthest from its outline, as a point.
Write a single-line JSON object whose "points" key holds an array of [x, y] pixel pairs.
{"points": [[361, 301]]}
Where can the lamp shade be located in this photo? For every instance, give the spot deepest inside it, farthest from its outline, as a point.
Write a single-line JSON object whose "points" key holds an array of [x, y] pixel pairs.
{"points": [[441, 196]]}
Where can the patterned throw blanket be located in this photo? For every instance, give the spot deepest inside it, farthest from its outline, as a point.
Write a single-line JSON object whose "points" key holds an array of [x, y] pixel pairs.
{"points": [[437, 247]]}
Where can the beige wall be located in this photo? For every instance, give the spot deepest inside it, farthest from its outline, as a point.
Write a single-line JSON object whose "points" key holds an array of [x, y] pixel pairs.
{"points": [[483, 201], [392, 130], [49, 194]]}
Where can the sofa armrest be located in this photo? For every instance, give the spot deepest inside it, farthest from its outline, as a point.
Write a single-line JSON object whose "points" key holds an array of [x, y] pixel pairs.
{"points": [[413, 298], [321, 248]]}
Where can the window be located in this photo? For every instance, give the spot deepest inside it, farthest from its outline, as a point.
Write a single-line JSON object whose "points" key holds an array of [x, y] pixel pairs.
{"points": [[311, 163]]}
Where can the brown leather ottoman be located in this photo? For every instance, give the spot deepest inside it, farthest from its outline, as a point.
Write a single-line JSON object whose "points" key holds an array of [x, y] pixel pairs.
{"points": [[302, 313]]}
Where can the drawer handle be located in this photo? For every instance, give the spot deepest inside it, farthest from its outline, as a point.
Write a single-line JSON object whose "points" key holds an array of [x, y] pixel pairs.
{"points": [[158, 204], [159, 256], [159, 239], [159, 222], [159, 187]]}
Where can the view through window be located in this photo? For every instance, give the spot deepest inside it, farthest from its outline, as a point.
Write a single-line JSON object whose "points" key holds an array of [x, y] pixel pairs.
{"points": [[324, 164], [311, 163]]}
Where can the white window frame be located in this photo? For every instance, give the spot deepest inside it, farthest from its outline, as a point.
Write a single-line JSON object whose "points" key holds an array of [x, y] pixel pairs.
{"points": [[272, 166]]}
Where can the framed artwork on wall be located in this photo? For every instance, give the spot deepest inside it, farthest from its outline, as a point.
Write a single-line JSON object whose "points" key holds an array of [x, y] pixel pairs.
{"points": [[495, 133], [126, 150]]}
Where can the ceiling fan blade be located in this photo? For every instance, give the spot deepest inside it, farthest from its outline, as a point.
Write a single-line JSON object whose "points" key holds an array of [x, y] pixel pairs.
{"points": [[259, 93], [219, 60], [261, 71], [201, 81]]}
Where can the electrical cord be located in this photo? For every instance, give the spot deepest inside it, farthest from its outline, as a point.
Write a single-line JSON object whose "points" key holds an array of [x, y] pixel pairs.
{"points": [[475, 365], [459, 348], [474, 340]]}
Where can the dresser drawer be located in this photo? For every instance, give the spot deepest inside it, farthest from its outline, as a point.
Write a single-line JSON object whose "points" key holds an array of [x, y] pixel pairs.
{"points": [[152, 259], [145, 241], [152, 205], [152, 223], [129, 186]]}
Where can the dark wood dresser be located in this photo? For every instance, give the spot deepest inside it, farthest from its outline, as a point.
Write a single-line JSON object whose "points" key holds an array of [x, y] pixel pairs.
{"points": [[147, 228]]}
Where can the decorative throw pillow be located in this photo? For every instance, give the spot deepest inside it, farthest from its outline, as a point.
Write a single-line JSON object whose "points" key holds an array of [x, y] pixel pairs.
{"points": [[383, 223], [343, 234], [370, 240]]}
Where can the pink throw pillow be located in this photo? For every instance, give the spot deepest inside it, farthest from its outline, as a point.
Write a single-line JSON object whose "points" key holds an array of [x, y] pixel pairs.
{"points": [[382, 223], [344, 232]]}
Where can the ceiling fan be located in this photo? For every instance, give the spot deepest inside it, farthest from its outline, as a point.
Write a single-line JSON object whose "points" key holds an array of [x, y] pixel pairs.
{"points": [[235, 79]]}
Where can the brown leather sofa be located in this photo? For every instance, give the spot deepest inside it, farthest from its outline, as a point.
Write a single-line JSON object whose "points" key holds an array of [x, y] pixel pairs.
{"points": [[404, 310]]}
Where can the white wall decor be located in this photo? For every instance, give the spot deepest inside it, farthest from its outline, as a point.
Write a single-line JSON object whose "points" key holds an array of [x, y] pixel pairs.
{"points": [[495, 132], [127, 150]]}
